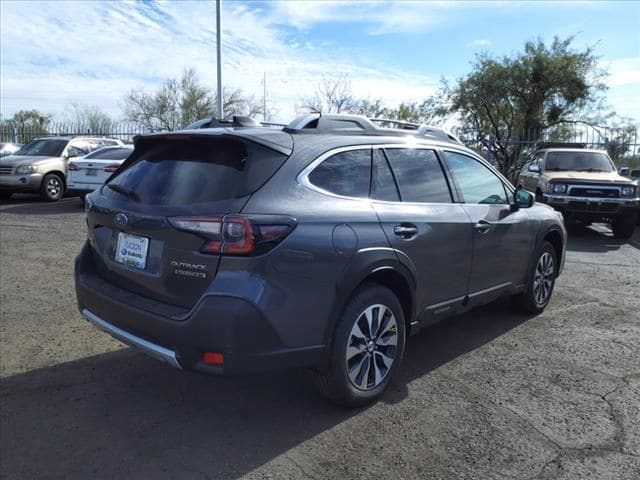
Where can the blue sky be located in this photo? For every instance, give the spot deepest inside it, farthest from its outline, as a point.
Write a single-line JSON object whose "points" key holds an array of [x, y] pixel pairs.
{"points": [[93, 52]]}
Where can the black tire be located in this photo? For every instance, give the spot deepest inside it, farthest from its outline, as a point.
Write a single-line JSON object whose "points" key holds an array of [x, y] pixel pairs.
{"points": [[52, 187], [335, 383], [624, 225], [82, 197], [5, 195], [538, 290]]}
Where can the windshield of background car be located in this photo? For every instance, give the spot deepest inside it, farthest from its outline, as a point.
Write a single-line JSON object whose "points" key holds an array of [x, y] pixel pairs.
{"points": [[110, 154], [194, 170], [579, 161], [43, 148]]}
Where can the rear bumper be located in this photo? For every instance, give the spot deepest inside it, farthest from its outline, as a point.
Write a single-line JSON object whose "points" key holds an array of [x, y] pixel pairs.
{"points": [[224, 324], [21, 183], [74, 187], [151, 349]]}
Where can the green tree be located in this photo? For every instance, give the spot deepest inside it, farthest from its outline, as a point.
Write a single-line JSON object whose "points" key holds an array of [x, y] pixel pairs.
{"points": [[24, 125], [515, 99]]}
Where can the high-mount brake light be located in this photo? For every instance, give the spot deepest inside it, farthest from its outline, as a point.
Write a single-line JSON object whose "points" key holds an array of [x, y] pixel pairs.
{"points": [[111, 168], [235, 234]]}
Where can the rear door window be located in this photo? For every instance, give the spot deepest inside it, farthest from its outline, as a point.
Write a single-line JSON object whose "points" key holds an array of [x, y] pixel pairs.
{"points": [[383, 185], [194, 170], [419, 175], [346, 173]]}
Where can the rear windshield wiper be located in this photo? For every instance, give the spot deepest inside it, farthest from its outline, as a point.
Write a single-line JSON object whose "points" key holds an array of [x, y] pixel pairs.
{"points": [[123, 191]]}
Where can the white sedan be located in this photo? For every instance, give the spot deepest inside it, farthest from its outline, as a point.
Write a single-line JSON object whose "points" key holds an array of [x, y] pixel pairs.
{"points": [[89, 172]]}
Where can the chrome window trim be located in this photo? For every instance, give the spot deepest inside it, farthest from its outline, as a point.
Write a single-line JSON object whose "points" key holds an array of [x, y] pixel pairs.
{"points": [[303, 176]]}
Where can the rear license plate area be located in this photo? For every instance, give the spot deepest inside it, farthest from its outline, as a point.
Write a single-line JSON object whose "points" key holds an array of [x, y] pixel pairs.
{"points": [[132, 250]]}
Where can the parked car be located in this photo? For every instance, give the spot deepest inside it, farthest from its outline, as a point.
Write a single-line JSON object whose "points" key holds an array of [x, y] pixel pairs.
{"points": [[40, 166], [8, 148], [585, 185], [89, 172], [227, 250]]}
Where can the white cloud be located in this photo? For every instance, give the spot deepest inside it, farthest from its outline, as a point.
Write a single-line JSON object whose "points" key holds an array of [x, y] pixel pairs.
{"points": [[482, 42], [95, 52], [624, 71]]}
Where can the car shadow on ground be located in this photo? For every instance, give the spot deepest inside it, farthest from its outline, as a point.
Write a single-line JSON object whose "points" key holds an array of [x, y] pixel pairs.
{"points": [[597, 238], [82, 418], [35, 205]]}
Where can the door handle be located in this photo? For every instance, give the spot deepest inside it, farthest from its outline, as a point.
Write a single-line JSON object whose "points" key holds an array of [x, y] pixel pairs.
{"points": [[482, 226], [406, 230]]}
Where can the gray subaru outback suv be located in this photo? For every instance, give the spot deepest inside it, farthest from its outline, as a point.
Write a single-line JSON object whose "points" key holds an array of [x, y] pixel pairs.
{"points": [[320, 245]]}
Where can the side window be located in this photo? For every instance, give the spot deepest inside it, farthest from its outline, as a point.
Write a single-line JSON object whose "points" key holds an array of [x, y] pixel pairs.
{"points": [[477, 183], [419, 175], [347, 174], [383, 185]]}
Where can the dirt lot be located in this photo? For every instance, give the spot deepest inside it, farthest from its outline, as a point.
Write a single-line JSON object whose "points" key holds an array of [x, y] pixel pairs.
{"points": [[489, 395]]}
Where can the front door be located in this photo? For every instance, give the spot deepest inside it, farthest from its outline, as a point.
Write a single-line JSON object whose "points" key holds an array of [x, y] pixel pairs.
{"points": [[502, 237]]}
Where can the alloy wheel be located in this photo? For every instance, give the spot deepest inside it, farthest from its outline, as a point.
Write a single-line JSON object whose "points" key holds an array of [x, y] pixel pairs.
{"points": [[372, 345], [543, 278]]}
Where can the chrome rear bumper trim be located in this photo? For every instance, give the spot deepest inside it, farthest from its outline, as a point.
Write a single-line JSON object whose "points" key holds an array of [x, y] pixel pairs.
{"points": [[151, 349]]}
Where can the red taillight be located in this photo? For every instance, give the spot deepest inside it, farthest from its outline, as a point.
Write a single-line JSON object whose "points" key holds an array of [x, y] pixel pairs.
{"points": [[111, 168], [234, 234], [213, 358], [72, 167]]}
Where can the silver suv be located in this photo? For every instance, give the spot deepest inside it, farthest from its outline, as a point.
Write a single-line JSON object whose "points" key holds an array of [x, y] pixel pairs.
{"points": [[320, 245], [41, 165]]}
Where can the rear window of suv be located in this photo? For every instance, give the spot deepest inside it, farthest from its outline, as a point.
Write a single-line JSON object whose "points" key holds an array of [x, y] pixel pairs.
{"points": [[195, 170]]}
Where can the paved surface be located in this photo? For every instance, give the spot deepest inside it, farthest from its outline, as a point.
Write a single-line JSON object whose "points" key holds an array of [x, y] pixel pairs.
{"points": [[490, 395]]}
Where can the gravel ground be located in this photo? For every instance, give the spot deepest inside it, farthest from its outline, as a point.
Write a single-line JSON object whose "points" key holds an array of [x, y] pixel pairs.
{"points": [[489, 395]]}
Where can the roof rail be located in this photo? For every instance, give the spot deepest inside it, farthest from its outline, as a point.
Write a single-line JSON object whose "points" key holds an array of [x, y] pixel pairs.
{"points": [[213, 122], [402, 124], [331, 123], [350, 124]]}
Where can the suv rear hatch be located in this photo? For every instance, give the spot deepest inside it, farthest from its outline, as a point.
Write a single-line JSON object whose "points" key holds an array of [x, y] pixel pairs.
{"points": [[156, 226]]}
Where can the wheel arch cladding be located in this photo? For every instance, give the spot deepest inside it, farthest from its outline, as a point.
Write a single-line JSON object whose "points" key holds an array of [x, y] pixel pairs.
{"points": [[555, 239], [397, 283]]}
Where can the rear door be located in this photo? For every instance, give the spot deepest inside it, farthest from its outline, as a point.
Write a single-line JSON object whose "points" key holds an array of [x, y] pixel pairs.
{"points": [[427, 228], [142, 223], [502, 238]]}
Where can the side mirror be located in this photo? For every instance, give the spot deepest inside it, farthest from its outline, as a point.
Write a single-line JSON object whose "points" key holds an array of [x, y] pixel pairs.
{"points": [[534, 167], [624, 171], [523, 198]]}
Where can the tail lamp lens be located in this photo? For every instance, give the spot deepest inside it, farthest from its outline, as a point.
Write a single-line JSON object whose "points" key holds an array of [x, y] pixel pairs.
{"points": [[111, 168], [72, 167], [233, 234]]}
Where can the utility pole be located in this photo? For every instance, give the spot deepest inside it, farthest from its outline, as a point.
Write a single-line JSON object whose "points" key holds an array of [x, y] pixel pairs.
{"points": [[264, 96], [219, 49]]}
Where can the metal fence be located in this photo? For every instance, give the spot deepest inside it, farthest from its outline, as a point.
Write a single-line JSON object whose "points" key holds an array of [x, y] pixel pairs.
{"points": [[623, 144], [124, 131]]}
